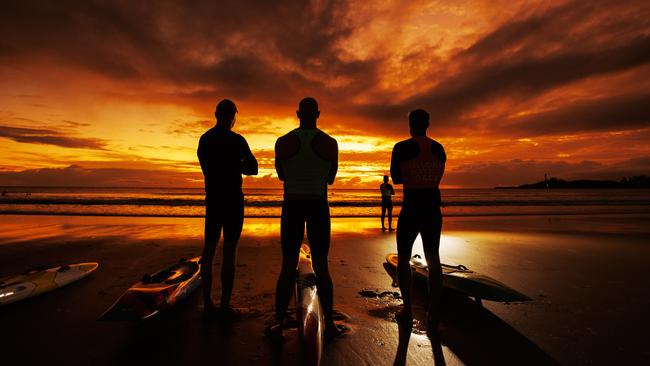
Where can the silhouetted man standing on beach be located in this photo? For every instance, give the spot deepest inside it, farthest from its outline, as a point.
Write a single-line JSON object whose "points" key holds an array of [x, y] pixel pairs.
{"points": [[386, 203], [224, 156], [419, 163], [306, 160]]}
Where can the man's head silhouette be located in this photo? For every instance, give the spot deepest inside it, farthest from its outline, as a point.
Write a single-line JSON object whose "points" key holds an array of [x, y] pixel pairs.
{"points": [[418, 122], [225, 113], [308, 112], [385, 179]]}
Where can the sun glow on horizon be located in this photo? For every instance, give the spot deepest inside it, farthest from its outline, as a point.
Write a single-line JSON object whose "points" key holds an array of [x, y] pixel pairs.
{"points": [[515, 89]]}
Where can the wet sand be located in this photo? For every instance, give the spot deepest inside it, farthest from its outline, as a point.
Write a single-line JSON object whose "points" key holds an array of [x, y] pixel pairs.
{"points": [[586, 274]]}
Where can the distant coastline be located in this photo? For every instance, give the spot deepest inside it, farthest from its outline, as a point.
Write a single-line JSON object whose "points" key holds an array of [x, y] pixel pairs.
{"points": [[640, 181]]}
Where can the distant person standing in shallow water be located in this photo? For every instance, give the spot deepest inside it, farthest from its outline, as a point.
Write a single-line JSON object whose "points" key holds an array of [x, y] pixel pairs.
{"points": [[419, 163], [306, 160], [386, 203], [224, 156]]}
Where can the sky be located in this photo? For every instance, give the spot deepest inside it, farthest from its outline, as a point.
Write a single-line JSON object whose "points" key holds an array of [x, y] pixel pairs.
{"points": [[117, 93]]}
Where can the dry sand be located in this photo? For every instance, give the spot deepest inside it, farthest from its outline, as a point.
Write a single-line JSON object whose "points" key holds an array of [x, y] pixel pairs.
{"points": [[586, 274]]}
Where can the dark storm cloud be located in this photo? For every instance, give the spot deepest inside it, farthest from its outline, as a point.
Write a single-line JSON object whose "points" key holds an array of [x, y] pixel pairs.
{"points": [[279, 51], [49, 137], [525, 58], [619, 112], [261, 50]]}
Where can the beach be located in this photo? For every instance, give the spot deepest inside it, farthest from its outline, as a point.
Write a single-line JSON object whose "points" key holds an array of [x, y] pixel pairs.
{"points": [[585, 273]]}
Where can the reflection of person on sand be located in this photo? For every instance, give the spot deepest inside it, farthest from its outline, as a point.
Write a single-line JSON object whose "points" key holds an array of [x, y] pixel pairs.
{"points": [[404, 336], [419, 163], [306, 160], [386, 203], [224, 156]]}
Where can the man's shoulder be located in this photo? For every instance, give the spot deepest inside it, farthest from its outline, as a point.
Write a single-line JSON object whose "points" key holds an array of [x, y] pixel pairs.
{"points": [[322, 135], [324, 141], [405, 142], [436, 144], [237, 137], [408, 143], [211, 134], [206, 139], [287, 145], [286, 136], [438, 150], [325, 146], [289, 138], [207, 134], [215, 135]]}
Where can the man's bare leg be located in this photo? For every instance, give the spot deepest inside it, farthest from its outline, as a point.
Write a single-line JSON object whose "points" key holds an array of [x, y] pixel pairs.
{"points": [[228, 266], [406, 235], [292, 231], [284, 287], [206, 273], [325, 288], [318, 234], [435, 287], [431, 245]]}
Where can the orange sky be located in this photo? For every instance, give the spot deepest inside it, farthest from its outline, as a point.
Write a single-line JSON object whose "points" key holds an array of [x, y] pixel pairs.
{"points": [[101, 94]]}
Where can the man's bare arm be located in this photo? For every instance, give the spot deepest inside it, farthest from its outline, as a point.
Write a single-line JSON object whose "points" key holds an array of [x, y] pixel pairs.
{"points": [[278, 165], [201, 155], [395, 171], [335, 162], [249, 163]]}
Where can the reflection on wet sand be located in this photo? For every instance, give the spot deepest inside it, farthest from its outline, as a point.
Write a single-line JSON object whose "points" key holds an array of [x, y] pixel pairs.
{"points": [[403, 342], [472, 333], [405, 330], [570, 273], [30, 228]]}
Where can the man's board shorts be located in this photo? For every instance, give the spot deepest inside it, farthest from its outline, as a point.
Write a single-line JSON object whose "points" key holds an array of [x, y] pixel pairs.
{"points": [[224, 211], [313, 212], [386, 202], [421, 211]]}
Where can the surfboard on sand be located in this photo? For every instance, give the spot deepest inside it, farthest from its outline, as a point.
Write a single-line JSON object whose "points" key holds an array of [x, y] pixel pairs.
{"points": [[309, 312], [40, 280], [156, 292], [461, 279]]}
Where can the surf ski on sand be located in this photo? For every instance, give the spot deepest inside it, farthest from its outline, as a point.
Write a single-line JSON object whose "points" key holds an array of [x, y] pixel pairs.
{"points": [[156, 292], [460, 279]]}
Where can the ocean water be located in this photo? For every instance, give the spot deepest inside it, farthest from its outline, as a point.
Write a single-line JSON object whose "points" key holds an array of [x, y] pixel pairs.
{"points": [[188, 202]]}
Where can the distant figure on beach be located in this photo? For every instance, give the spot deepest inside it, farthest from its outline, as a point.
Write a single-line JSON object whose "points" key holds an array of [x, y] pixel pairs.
{"points": [[419, 163], [224, 156], [306, 160], [386, 203]]}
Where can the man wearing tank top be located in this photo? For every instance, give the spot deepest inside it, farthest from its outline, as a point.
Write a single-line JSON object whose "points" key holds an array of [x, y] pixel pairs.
{"points": [[419, 163], [306, 160]]}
